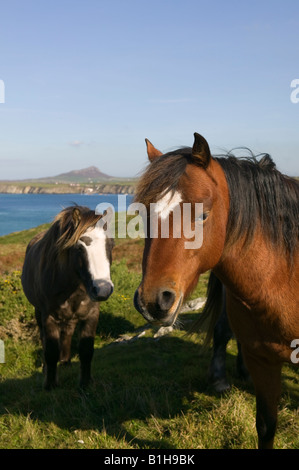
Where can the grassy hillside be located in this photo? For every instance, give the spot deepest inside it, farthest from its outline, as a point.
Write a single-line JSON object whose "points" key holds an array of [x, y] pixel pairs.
{"points": [[147, 392], [114, 186]]}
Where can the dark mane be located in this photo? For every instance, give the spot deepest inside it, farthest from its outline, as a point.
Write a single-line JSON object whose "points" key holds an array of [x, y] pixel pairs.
{"points": [[259, 194]]}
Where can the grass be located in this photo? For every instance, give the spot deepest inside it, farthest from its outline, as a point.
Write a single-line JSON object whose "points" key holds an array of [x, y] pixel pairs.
{"points": [[71, 186], [146, 394]]}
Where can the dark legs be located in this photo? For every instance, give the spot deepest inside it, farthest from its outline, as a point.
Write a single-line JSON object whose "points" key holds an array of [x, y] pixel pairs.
{"points": [[242, 370], [51, 352], [66, 334], [49, 335], [56, 340], [217, 371], [86, 347], [266, 376]]}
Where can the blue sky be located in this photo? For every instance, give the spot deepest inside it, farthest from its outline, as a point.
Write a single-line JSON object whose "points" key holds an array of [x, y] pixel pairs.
{"points": [[87, 81]]}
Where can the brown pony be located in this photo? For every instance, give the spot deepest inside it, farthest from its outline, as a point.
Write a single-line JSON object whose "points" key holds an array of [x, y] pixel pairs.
{"points": [[66, 272], [250, 229]]}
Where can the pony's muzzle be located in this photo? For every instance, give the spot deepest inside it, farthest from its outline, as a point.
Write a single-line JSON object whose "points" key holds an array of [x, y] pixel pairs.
{"points": [[101, 289], [165, 300], [161, 308]]}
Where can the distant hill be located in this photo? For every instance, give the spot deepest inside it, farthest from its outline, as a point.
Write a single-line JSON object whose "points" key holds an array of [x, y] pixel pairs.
{"points": [[86, 181], [86, 175]]}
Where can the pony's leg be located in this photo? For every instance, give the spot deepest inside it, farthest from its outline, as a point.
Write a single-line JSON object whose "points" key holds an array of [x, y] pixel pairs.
{"points": [[38, 316], [242, 371], [217, 370], [266, 376], [51, 351], [86, 346], [66, 335]]}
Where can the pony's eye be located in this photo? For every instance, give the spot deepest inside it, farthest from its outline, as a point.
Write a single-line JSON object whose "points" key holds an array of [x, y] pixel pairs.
{"points": [[202, 217]]}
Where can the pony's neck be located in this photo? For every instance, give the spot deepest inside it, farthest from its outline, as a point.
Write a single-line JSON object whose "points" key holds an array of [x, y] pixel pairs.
{"points": [[249, 272], [247, 269]]}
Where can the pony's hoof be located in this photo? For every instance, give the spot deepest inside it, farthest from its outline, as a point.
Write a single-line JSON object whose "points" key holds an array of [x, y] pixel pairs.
{"points": [[221, 386]]}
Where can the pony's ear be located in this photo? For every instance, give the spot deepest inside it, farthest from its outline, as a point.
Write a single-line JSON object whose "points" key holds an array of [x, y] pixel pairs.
{"points": [[201, 150], [152, 152], [109, 213], [76, 215]]}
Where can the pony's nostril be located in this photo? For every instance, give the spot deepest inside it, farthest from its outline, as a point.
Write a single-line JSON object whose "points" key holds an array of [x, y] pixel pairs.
{"points": [[102, 290], [166, 299]]}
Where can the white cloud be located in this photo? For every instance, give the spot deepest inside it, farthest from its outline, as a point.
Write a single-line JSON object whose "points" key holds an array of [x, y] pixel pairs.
{"points": [[76, 143]]}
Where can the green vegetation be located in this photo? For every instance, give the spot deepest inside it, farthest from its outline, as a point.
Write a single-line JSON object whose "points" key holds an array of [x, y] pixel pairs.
{"points": [[109, 187], [147, 392]]}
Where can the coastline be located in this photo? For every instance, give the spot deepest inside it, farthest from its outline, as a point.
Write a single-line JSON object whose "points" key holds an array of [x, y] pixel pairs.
{"points": [[66, 188]]}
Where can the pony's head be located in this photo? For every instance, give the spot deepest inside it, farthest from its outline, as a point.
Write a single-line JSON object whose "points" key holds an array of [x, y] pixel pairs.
{"points": [[77, 238], [171, 267]]}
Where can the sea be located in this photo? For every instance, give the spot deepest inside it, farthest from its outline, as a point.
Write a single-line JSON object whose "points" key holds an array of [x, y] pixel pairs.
{"points": [[23, 211]]}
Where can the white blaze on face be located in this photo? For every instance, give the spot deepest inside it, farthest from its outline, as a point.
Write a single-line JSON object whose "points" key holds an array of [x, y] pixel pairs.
{"points": [[95, 246], [168, 203]]}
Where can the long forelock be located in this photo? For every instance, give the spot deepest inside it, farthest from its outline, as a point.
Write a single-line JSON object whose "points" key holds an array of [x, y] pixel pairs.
{"points": [[162, 175], [72, 231], [64, 232]]}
